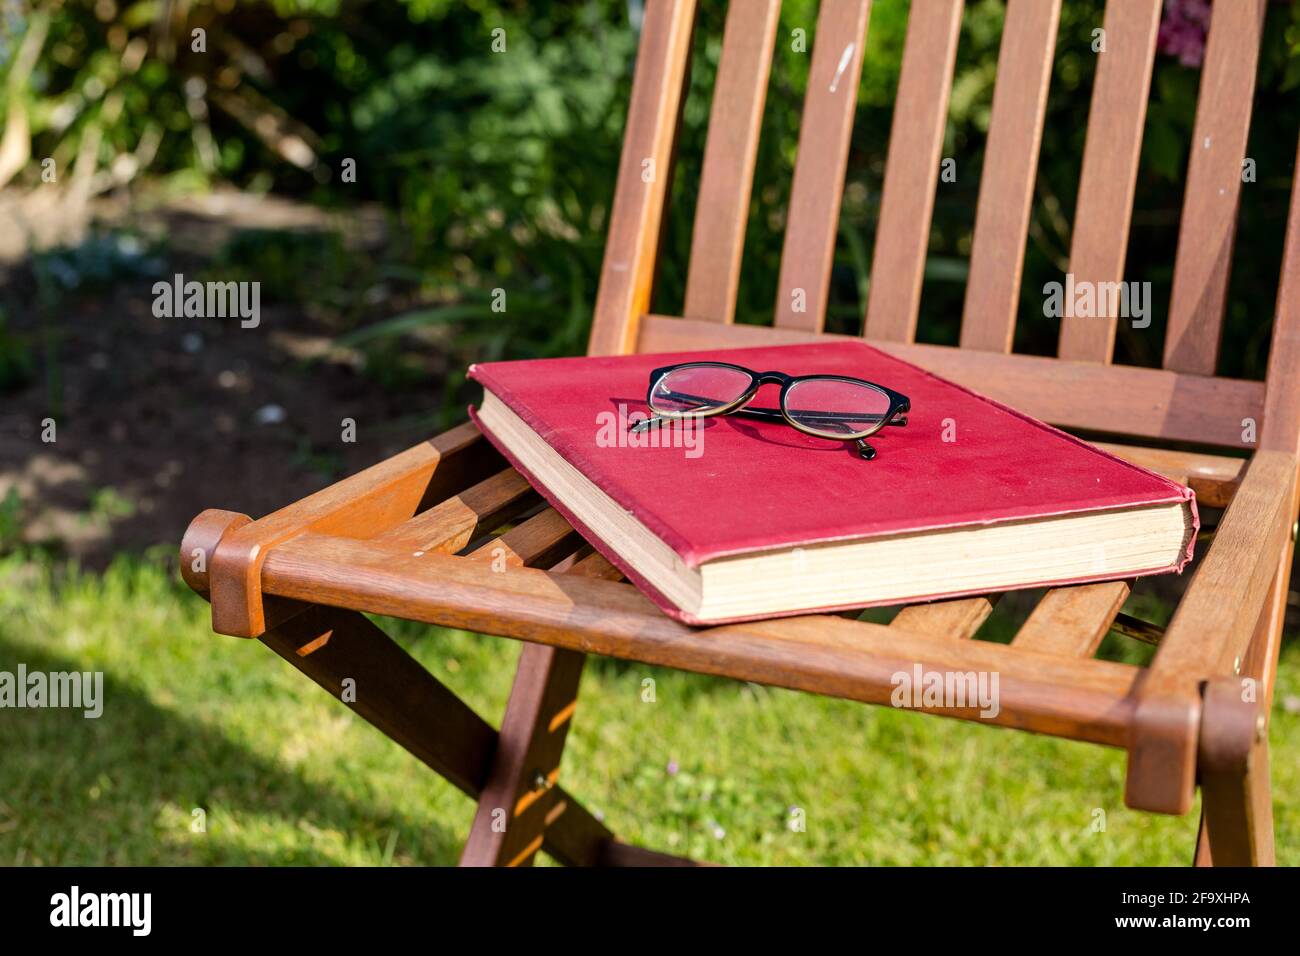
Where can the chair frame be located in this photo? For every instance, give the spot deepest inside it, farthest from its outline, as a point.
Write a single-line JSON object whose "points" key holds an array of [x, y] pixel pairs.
{"points": [[446, 533]]}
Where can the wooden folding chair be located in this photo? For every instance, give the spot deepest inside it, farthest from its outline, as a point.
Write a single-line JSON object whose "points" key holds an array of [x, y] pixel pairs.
{"points": [[413, 537]]}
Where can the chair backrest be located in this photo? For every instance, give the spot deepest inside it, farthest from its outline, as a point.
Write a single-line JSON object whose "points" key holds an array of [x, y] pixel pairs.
{"points": [[1082, 389]]}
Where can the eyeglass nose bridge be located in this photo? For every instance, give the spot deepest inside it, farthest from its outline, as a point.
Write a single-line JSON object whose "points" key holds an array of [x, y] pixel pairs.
{"points": [[772, 378]]}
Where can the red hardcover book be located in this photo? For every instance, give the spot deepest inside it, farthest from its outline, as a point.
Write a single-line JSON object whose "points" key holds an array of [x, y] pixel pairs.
{"points": [[735, 518]]}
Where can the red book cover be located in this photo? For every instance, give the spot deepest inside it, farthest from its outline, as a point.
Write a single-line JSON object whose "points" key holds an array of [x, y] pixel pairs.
{"points": [[753, 485]]}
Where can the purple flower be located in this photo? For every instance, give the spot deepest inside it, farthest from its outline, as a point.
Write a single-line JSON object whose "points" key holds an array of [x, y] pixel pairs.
{"points": [[672, 768], [1183, 29]]}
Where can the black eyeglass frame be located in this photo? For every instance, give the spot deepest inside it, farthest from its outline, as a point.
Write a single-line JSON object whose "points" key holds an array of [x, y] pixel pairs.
{"points": [[899, 404]]}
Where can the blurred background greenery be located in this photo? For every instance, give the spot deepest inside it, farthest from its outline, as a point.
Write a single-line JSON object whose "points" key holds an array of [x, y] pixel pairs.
{"points": [[496, 166], [381, 168]]}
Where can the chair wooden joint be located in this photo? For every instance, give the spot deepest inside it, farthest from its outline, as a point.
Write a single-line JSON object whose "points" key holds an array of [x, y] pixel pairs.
{"points": [[1233, 752]]}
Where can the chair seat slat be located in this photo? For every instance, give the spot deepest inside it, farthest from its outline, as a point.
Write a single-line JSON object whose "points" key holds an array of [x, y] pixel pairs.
{"points": [[596, 565], [540, 541], [449, 525], [1072, 621], [957, 620]]}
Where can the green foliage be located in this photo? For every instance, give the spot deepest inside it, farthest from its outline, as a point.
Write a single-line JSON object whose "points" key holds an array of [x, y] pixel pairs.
{"points": [[16, 360], [96, 263], [11, 520], [291, 265]]}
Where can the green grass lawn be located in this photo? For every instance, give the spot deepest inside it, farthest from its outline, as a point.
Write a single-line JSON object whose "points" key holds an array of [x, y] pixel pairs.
{"points": [[712, 768]]}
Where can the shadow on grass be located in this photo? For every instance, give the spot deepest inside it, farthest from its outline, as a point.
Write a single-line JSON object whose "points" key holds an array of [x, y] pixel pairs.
{"points": [[120, 789]]}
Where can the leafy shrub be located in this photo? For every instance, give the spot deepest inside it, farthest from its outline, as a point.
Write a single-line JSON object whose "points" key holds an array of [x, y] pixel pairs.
{"points": [[16, 361]]}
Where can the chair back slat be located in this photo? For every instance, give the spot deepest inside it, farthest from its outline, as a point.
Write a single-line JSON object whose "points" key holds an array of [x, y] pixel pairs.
{"points": [[632, 245], [912, 170], [813, 220], [727, 176], [1007, 180], [1091, 396], [1184, 402], [1108, 180], [1281, 431], [1213, 188]]}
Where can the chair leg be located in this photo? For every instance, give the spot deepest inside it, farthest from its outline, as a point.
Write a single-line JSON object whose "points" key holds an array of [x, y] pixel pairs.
{"points": [[352, 659], [1238, 816], [1202, 856], [520, 802], [355, 661], [408, 704], [1237, 811]]}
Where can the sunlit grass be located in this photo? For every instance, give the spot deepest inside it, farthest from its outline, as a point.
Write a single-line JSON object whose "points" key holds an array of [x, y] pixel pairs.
{"points": [[716, 769]]}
